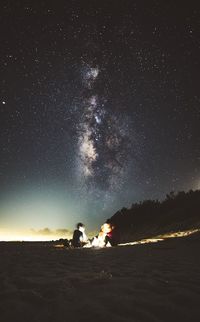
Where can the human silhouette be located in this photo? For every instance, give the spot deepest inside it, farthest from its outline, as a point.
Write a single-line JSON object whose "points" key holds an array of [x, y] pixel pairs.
{"points": [[79, 237]]}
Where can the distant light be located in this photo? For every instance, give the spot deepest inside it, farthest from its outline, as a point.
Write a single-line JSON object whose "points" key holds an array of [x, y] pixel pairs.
{"points": [[3, 102]]}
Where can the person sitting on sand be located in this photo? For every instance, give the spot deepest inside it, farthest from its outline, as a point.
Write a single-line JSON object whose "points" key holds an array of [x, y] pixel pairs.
{"points": [[112, 236], [100, 240], [79, 237]]}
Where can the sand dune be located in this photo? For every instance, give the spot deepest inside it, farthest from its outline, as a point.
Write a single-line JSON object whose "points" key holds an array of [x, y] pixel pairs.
{"points": [[147, 282]]}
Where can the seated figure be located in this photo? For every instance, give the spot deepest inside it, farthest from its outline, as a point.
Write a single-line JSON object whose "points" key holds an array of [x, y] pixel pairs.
{"points": [[79, 237], [100, 240]]}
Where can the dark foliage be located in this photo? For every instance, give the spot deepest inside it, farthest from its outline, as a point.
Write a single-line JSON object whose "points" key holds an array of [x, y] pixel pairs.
{"points": [[179, 211]]}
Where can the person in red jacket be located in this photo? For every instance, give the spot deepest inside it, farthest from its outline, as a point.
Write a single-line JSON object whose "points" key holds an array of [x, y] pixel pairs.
{"points": [[113, 236]]}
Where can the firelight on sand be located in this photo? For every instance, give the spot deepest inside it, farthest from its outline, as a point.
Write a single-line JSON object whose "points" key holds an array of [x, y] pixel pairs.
{"points": [[163, 237]]}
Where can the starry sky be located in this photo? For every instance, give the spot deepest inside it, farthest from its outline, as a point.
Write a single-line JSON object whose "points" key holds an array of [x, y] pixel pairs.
{"points": [[99, 108]]}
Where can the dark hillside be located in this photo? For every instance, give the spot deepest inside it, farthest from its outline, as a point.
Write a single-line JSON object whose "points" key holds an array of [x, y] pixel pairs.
{"points": [[177, 212]]}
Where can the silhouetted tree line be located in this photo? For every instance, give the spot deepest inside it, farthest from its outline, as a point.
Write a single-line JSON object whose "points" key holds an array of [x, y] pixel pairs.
{"points": [[179, 211]]}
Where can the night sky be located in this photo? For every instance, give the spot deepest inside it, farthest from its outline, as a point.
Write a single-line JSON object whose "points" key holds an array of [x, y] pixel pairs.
{"points": [[100, 108]]}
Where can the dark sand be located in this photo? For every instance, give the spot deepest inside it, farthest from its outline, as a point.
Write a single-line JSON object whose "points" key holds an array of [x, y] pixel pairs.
{"points": [[149, 282]]}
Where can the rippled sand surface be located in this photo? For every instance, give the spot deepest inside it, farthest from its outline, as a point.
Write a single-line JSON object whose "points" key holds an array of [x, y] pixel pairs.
{"points": [[147, 282]]}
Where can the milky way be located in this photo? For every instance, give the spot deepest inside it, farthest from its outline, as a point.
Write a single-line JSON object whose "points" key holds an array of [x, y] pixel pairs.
{"points": [[103, 141]]}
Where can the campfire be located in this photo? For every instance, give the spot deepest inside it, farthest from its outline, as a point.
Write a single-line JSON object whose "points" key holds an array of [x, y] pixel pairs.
{"points": [[104, 238], [100, 240]]}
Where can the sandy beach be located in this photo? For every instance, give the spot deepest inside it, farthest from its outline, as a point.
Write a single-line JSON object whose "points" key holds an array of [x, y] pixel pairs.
{"points": [[147, 282]]}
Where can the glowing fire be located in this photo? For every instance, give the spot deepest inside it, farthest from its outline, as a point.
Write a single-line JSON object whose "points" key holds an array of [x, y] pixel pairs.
{"points": [[99, 241]]}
